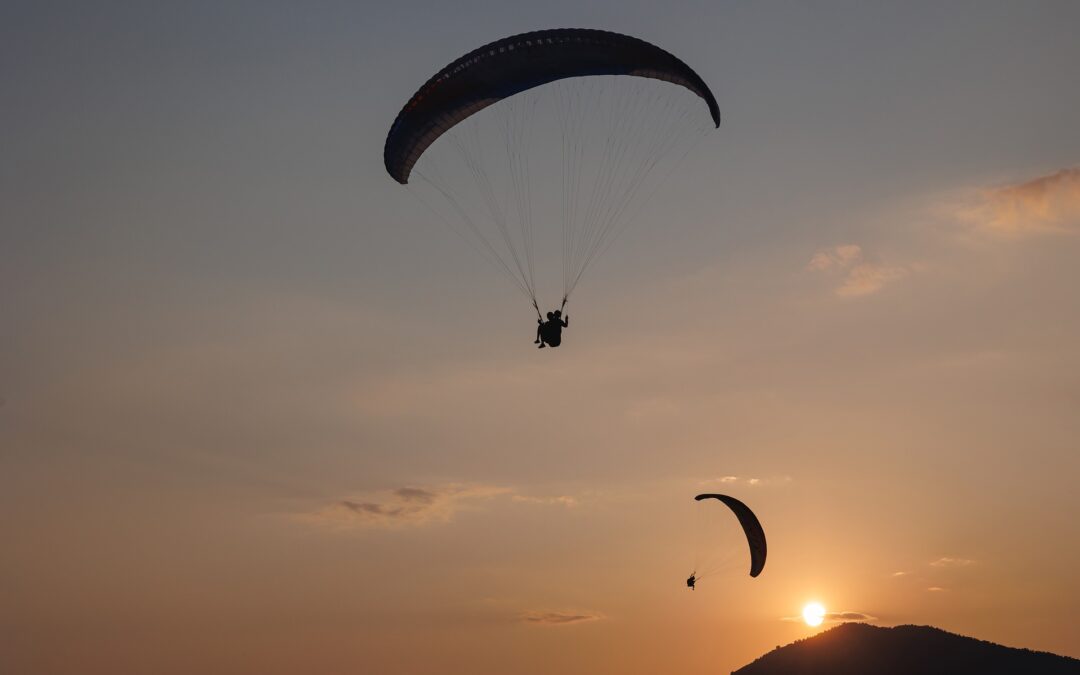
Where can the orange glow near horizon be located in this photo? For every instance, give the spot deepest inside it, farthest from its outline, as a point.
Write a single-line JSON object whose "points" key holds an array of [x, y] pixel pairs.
{"points": [[266, 411]]}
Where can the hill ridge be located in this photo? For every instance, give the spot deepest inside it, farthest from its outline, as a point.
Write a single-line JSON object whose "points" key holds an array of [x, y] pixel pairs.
{"points": [[856, 648]]}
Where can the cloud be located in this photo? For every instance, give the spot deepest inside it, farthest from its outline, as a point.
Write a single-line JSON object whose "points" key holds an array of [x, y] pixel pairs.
{"points": [[936, 589], [405, 506], [869, 278], [952, 562], [900, 574], [559, 618], [836, 617], [748, 481], [840, 617], [422, 496], [1043, 205], [838, 257], [861, 277], [411, 506], [562, 500]]}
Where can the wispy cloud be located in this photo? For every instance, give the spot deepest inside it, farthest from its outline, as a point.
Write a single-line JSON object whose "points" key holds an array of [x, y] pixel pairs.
{"points": [[747, 480], [841, 617], [405, 506], [838, 257], [543, 618], [560, 500], [869, 278], [1042, 205], [936, 589], [836, 617], [952, 562], [420, 495], [900, 574], [859, 276], [412, 506]]}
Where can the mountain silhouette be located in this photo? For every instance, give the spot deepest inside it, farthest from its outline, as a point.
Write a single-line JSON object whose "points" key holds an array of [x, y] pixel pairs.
{"points": [[859, 648]]}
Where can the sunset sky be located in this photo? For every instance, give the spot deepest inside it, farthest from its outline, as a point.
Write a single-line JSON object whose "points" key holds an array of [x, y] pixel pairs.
{"points": [[260, 414]]}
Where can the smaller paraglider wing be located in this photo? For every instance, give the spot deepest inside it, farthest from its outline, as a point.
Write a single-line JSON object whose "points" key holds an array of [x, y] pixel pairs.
{"points": [[755, 535]]}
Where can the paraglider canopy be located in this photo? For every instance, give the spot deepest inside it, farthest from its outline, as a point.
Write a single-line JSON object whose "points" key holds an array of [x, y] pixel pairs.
{"points": [[515, 64], [548, 143], [755, 535]]}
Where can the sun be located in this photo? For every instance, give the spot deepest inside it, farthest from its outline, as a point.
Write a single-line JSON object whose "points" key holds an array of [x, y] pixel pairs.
{"points": [[813, 614]]}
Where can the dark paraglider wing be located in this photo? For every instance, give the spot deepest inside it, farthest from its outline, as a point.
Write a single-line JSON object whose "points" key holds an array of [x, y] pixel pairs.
{"points": [[755, 535], [515, 64]]}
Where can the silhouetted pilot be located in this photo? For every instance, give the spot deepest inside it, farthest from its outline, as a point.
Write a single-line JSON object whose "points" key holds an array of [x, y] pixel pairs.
{"points": [[549, 333], [690, 582], [540, 327]]}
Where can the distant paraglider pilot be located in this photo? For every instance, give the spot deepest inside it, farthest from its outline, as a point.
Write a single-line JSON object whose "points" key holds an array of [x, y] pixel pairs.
{"points": [[549, 333], [691, 581]]}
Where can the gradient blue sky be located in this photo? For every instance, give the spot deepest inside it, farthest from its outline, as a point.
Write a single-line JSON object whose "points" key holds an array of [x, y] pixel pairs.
{"points": [[223, 324]]}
